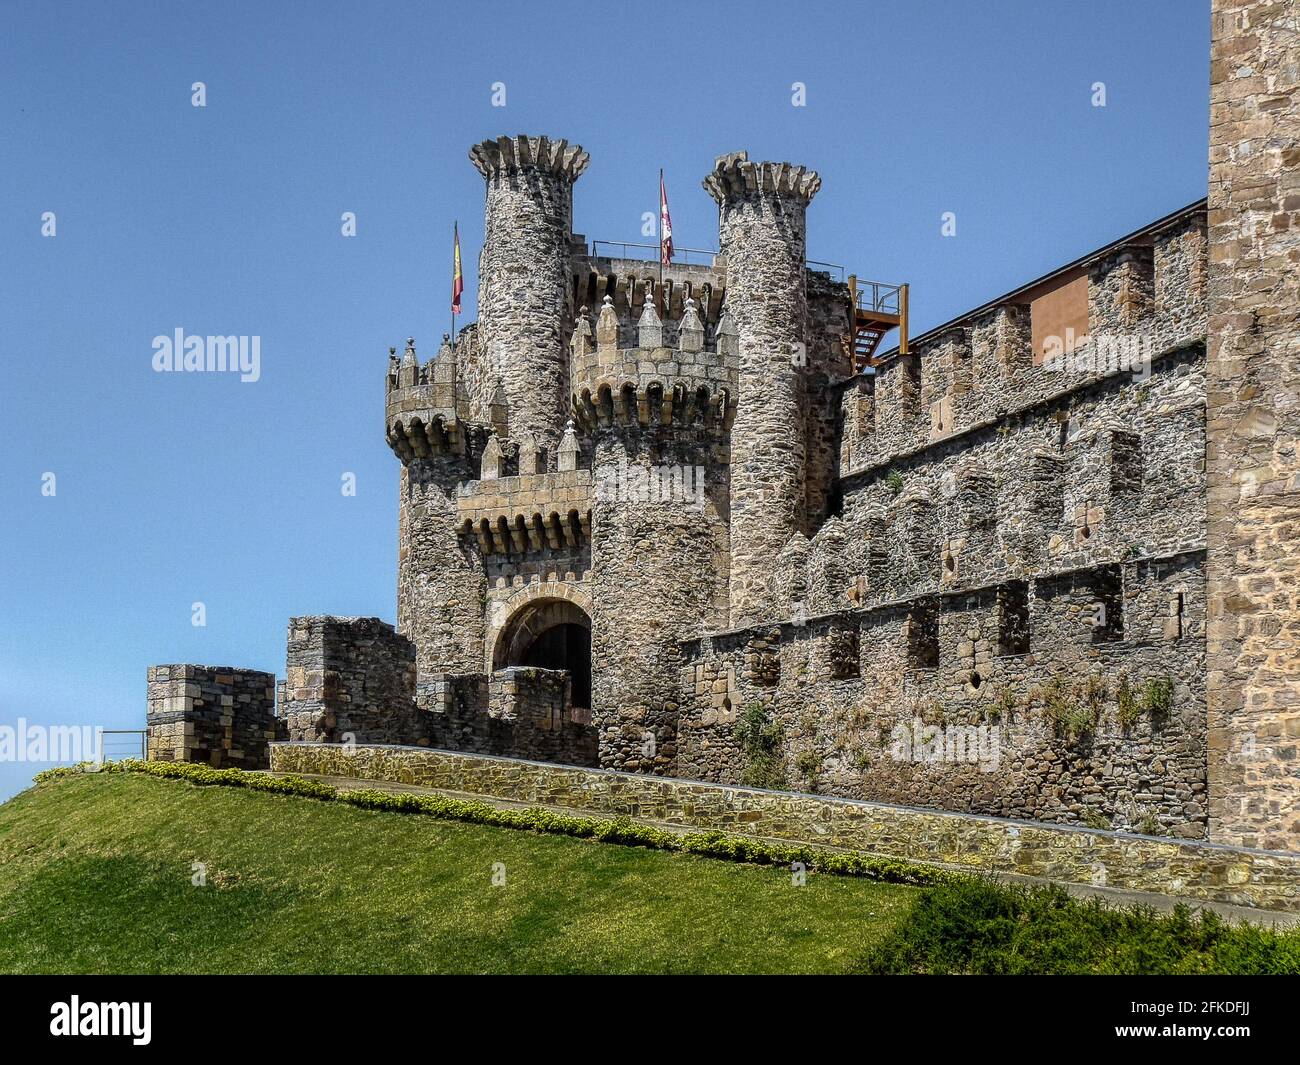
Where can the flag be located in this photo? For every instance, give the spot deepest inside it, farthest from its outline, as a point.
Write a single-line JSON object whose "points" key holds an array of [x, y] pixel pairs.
{"points": [[457, 279], [665, 225]]}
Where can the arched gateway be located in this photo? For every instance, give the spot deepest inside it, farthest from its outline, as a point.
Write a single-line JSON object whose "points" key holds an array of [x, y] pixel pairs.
{"points": [[551, 634]]}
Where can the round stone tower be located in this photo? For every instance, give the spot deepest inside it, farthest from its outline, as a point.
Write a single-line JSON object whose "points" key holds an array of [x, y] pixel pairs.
{"points": [[523, 313], [762, 209]]}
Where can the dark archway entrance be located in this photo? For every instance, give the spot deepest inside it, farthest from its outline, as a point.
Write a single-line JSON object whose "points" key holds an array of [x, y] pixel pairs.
{"points": [[550, 634]]}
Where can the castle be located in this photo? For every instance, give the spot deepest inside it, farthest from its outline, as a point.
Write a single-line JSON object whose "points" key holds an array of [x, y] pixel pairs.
{"points": [[690, 520]]}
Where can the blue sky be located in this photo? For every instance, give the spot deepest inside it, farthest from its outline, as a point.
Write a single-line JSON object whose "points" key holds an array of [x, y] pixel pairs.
{"points": [[181, 488]]}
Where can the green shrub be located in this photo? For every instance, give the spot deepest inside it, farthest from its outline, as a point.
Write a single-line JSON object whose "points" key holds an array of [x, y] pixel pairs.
{"points": [[760, 736], [1073, 719], [977, 926], [1127, 711], [808, 764], [1157, 699], [894, 481]]}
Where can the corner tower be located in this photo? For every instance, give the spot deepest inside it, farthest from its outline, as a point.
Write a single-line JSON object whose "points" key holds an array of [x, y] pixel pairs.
{"points": [[761, 224], [524, 315]]}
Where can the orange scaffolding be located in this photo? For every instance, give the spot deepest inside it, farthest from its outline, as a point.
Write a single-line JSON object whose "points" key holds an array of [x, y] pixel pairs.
{"points": [[877, 308]]}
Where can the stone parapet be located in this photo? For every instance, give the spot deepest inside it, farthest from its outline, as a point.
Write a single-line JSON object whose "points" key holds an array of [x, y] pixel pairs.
{"points": [[528, 512]]}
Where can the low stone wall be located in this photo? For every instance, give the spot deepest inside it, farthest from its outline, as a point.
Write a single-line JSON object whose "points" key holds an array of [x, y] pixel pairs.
{"points": [[215, 715], [350, 677], [521, 711], [1266, 879], [537, 704]]}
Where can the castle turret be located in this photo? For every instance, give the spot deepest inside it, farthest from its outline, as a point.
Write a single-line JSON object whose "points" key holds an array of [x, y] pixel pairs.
{"points": [[761, 227], [440, 583], [523, 306]]}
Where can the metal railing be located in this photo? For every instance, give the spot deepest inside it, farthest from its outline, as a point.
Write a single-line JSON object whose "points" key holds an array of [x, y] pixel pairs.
{"points": [[704, 256], [877, 297], [119, 743], [835, 270]]}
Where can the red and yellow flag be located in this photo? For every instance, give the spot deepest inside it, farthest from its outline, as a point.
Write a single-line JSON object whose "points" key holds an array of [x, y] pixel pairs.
{"points": [[457, 279]]}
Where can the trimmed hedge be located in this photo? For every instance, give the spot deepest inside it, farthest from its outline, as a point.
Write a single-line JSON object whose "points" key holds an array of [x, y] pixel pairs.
{"points": [[986, 929], [621, 830]]}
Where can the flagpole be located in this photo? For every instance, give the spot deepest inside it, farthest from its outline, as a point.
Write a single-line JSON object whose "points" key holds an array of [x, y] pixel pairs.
{"points": [[661, 233], [455, 240]]}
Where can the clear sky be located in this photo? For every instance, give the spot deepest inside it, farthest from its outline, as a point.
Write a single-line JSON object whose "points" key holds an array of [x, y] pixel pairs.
{"points": [[173, 489]]}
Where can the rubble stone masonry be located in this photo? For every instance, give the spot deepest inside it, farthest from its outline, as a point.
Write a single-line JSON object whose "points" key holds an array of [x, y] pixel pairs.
{"points": [[1253, 425]]}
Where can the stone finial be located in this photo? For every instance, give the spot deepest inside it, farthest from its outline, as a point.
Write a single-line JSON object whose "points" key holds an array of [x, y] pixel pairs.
{"points": [[444, 364], [728, 337], [528, 454], [649, 329], [690, 335], [607, 327], [506, 154], [500, 410], [409, 373], [568, 459], [581, 343], [734, 177], [491, 468]]}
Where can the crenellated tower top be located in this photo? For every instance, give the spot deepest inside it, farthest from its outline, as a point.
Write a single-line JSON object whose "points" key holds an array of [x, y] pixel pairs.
{"points": [[735, 178], [504, 154]]}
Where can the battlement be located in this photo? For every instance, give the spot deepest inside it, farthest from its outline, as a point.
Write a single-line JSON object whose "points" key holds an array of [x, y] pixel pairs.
{"points": [[491, 158], [1107, 315], [217, 715], [735, 178], [630, 283], [424, 408], [692, 383], [516, 515]]}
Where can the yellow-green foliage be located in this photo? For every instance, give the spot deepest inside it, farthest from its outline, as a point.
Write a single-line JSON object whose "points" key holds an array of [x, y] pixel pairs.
{"points": [[1126, 711], [760, 737], [1157, 699]]}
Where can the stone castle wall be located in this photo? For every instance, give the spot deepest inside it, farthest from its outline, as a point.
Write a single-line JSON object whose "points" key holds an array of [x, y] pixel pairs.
{"points": [[972, 701], [350, 680], [214, 715]]}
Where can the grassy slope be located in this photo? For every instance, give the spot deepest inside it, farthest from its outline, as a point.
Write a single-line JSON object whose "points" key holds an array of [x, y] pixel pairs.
{"points": [[95, 877]]}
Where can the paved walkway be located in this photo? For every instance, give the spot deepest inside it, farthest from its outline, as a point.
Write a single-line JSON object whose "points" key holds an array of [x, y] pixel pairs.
{"points": [[1114, 896]]}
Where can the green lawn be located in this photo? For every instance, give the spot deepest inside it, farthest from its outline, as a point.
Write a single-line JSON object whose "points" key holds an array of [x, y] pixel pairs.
{"points": [[95, 877]]}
